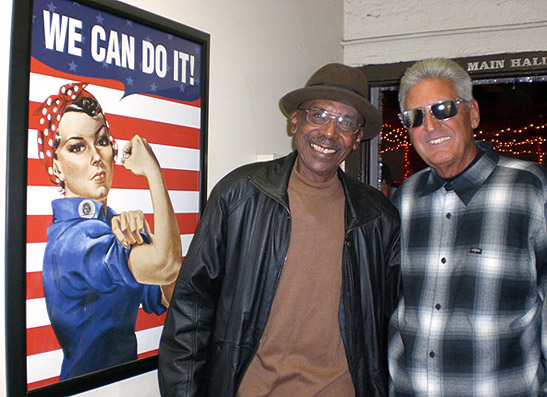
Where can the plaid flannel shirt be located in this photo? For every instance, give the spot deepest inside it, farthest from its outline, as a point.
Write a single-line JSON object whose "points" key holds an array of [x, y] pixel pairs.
{"points": [[474, 257]]}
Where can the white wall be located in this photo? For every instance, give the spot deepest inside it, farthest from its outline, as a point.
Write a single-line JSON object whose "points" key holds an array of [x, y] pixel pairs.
{"points": [[388, 31], [5, 32], [260, 50]]}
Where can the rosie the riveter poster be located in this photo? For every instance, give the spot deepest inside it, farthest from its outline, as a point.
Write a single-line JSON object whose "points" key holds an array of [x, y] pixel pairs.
{"points": [[85, 311]]}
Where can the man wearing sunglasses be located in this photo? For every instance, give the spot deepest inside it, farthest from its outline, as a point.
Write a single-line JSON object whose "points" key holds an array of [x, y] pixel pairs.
{"points": [[293, 273], [474, 252]]}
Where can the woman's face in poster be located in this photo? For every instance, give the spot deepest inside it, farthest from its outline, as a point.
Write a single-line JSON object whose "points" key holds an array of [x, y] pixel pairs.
{"points": [[84, 159]]}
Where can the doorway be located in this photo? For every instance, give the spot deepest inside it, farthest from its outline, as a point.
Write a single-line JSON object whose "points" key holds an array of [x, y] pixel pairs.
{"points": [[511, 90], [513, 119]]}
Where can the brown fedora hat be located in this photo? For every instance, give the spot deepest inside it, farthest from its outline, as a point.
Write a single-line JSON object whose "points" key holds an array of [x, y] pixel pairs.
{"points": [[340, 83]]}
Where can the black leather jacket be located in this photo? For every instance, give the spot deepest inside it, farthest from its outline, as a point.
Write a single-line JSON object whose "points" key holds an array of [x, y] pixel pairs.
{"points": [[229, 277]]}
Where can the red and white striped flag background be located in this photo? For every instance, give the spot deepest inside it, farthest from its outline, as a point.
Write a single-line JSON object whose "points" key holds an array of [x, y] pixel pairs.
{"points": [[173, 130]]}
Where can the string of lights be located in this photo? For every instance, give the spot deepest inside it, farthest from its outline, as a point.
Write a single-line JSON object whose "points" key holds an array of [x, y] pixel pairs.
{"points": [[526, 141]]}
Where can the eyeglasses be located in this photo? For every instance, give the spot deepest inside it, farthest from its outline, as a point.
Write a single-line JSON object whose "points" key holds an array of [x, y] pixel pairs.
{"points": [[442, 111], [320, 118]]}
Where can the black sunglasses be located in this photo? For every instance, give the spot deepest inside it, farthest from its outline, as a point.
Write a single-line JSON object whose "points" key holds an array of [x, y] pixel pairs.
{"points": [[442, 110]]}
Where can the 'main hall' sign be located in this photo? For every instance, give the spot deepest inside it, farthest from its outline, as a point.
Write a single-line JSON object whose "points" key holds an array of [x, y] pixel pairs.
{"points": [[538, 61]]}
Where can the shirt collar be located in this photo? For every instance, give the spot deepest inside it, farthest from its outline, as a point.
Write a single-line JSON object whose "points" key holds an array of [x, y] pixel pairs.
{"points": [[70, 208], [469, 181]]}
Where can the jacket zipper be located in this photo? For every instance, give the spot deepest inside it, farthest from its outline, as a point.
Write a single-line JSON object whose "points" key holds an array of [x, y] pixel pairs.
{"points": [[275, 287]]}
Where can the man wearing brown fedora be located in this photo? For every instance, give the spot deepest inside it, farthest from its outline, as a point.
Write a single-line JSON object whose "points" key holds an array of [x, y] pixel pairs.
{"points": [[292, 275]]}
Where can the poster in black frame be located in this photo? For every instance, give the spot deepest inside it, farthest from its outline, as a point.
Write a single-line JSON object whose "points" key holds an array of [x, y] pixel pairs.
{"points": [[112, 49]]}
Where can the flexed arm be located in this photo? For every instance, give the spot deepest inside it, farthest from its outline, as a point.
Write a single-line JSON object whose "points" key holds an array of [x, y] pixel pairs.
{"points": [[157, 262]]}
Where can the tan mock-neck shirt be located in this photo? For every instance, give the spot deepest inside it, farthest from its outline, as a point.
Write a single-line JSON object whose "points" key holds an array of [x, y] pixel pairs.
{"points": [[301, 352]]}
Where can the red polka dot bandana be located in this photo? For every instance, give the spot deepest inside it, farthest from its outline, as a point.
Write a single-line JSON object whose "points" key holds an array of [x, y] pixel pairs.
{"points": [[51, 112]]}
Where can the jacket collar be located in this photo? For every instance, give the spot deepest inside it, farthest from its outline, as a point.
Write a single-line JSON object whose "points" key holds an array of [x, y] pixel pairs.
{"points": [[273, 180], [361, 207]]}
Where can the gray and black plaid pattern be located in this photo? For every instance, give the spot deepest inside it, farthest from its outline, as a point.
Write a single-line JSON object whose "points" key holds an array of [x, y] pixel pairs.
{"points": [[474, 257]]}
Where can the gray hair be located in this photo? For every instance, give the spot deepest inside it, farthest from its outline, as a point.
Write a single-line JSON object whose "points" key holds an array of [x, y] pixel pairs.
{"points": [[436, 68]]}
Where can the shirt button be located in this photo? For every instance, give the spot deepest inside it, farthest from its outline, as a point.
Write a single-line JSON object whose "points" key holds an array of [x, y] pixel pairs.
{"points": [[438, 306], [348, 243], [432, 354], [448, 216], [443, 260]]}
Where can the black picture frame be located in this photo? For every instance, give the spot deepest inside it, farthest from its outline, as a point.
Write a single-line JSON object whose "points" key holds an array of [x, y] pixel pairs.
{"points": [[16, 194]]}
